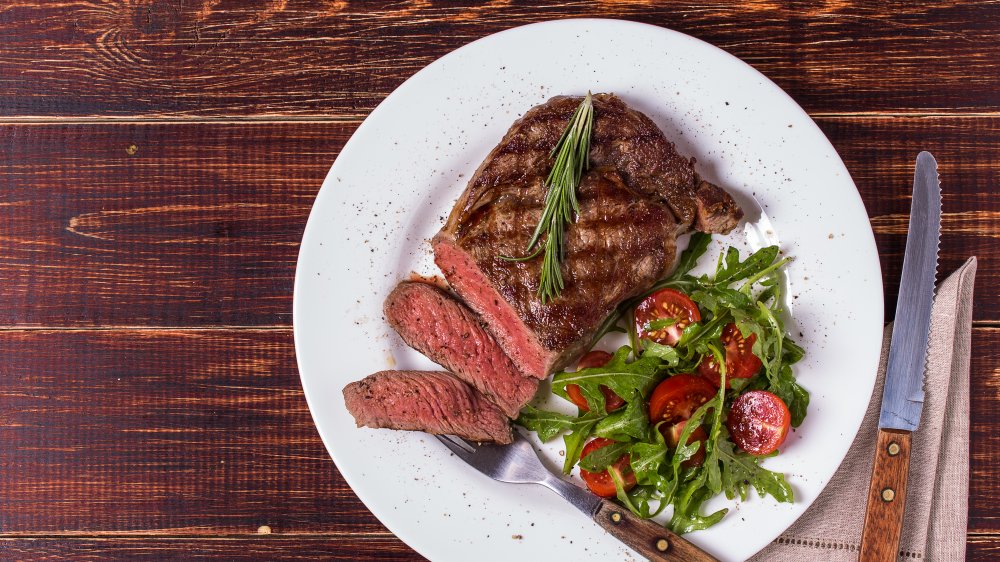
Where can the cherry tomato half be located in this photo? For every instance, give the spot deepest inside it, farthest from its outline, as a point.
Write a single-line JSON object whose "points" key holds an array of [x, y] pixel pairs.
{"points": [[741, 363], [676, 398], [601, 483], [665, 304], [673, 437], [758, 422], [611, 400]]}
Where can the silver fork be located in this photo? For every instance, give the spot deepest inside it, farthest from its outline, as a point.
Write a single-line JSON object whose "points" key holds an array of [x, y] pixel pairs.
{"points": [[517, 463]]}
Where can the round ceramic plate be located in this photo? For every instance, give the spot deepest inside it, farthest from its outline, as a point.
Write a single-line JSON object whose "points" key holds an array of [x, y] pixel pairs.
{"points": [[396, 180]]}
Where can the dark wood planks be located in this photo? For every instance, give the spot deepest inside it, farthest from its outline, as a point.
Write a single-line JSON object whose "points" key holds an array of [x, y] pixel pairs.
{"points": [[206, 432], [264, 57], [156, 224], [169, 432], [347, 547], [198, 224]]}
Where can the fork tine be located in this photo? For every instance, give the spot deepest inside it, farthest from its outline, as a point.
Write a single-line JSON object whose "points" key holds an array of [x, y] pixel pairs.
{"points": [[459, 450]]}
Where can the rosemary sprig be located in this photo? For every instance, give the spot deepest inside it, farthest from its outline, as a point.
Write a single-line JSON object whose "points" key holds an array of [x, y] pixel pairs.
{"points": [[572, 157]]}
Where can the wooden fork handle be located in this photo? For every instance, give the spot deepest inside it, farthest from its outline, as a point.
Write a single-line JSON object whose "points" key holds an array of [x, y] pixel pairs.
{"points": [[646, 537], [886, 497]]}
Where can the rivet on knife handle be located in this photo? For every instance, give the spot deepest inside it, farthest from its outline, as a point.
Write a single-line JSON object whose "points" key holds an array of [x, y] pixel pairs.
{"points": [[646, 537], [886, 497]]}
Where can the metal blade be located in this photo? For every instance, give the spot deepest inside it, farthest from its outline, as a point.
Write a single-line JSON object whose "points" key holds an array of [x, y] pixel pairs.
{"points": [[903, 396]]}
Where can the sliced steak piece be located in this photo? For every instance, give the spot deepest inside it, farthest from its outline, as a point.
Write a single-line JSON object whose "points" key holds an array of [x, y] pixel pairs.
{"points": [[431, 401], [638, 196], [445, 330]]}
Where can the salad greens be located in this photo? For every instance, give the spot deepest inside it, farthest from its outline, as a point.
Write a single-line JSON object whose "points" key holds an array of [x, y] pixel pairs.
{"points": [[744, 292]]}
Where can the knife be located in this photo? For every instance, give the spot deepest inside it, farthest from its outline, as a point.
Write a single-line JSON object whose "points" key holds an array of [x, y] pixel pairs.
{"points": [[903, 395]]}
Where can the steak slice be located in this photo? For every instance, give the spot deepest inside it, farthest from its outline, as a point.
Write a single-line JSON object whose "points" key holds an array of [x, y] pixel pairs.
{"points": [[431, 401], [446, 331], [637, 197]]}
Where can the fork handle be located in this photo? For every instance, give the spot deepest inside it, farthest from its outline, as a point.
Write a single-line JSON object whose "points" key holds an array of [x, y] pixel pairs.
{"points": [[650, 539]]}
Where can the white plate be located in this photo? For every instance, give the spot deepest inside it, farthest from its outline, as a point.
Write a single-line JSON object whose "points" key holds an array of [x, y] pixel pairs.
{"points": [[396, 180]]}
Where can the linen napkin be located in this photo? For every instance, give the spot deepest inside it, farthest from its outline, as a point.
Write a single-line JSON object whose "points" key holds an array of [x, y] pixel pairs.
{"points": [[938, 486]]}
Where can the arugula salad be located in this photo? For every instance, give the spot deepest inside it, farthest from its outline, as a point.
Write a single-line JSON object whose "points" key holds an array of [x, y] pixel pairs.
{"points": [[703, 391]]}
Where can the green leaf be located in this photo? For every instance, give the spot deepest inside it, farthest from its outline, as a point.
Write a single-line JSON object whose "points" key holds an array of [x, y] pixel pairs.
{"points": [[630, 423], [696, 248], [601, 459], [665, 353], [549, 424], [623, 378], [735, 270], [740, 470], [659, 324], [574, 444]]}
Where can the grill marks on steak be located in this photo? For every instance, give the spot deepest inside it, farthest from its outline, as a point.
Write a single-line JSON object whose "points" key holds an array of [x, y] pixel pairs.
{"points": [[637, 197], [431, 401], [446, 331]]}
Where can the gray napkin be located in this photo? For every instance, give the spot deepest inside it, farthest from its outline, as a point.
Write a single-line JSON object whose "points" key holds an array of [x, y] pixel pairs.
{"points": [[936, 491]]}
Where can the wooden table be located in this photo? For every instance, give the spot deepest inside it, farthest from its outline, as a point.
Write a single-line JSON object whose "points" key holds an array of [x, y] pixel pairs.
{"points": [[158, 159]]}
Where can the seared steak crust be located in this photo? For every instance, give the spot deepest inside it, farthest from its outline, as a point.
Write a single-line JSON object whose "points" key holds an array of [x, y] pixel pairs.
{"points": [[638, 195], [446, 331], [435, 402]]}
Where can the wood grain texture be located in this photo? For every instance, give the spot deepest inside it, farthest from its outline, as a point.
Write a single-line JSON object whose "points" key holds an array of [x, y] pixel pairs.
{"points": [[293, 57], [170, 432], [206, 432], [200, 225], [348, 547], [646, 537], [886, 497], [146, 224]]}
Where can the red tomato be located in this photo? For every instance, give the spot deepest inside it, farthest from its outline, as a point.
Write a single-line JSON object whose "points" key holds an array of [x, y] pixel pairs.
{"points": [[676, 398], [673, 437], [665, 303], [611, 400], [601, 483], [759, 422], [741, 363]]}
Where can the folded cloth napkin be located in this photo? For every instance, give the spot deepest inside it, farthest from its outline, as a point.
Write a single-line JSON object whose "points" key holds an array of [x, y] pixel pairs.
{"points": [[936, 492]]}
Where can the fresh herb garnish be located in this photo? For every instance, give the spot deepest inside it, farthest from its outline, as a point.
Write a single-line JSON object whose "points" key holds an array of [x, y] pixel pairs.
{"points": [[572, 157], [746, 293]]}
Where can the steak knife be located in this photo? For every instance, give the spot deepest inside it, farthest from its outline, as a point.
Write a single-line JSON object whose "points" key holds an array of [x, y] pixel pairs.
{"points": [[903, 395]]}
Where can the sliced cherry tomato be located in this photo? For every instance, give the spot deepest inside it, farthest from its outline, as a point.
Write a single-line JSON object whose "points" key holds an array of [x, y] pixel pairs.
{"points": [[601, 483], [611, 400], [758, 422], [676, 398], [673, 437], [741, 363], [665, 304]]}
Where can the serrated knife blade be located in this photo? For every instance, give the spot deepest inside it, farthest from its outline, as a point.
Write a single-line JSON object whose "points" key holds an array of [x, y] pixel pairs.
{"points": [[903, 395]]}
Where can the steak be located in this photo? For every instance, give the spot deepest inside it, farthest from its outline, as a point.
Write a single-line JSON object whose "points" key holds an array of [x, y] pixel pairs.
{"points": [[431, 401], [637, 197], [446, 331]]}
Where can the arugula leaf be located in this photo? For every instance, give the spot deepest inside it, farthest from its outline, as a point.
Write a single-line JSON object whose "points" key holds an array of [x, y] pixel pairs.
{"points": [[624, 378], [690, 520], [697, 246], [630, 423], [646, 460], [734, 270], [601, 459], [741, 470], [549, 424], [574, 444], [659, 324], [665, 353]]}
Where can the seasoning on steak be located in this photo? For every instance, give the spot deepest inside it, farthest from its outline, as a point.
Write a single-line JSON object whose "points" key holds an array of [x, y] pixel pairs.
{"points": [[431, 401], [446, 331], [637, 197]]}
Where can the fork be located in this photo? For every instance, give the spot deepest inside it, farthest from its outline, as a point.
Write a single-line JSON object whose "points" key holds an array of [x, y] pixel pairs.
{"points": [[517, 463]]}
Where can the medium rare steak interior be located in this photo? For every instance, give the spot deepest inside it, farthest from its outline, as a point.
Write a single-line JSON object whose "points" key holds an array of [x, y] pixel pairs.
{"points": [[430, 401], [446, 331], [638, 195]]}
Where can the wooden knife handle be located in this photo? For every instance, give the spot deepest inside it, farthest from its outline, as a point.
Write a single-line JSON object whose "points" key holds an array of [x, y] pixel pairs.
{"points": [[886, 497], [646, 537]]}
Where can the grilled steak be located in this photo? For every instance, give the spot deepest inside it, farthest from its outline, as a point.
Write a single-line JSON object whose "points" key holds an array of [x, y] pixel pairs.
{"points": [[445, 330], [637, 197], [430, 401]]}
